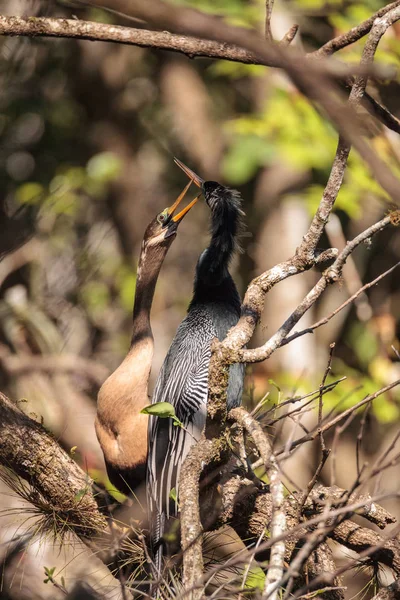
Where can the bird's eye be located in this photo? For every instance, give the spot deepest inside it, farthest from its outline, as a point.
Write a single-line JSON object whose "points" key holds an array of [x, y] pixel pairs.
{"points": [[162, 217]]}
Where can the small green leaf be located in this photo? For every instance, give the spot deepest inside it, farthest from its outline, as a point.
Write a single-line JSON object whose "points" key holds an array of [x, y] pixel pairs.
{"points": [[173, 495], [255, 578], [177, 422], [276, 386], [164, 410]]}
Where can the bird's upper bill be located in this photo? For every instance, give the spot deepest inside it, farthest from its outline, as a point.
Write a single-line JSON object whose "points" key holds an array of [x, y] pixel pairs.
{"points": [[178, 217], [191, 174]]}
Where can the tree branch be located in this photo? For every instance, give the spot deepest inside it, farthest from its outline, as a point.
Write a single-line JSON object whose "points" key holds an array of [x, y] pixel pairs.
{"points": [[45, 466], [356, 33], [330, 276], [326, 319]]}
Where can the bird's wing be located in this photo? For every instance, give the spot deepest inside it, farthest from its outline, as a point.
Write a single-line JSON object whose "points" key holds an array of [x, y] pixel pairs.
{"points": [[183, 382]]}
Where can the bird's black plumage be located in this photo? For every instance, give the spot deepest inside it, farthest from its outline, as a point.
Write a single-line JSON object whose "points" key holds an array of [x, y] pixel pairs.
{"points": [[183, 379]]}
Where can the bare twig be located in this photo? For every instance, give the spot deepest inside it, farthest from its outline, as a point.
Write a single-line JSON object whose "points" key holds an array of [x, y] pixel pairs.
{"points": [[269, 5], [325, 320], [289, 35], [356, 33], [381, 113], [313, 435], [331, 275]]}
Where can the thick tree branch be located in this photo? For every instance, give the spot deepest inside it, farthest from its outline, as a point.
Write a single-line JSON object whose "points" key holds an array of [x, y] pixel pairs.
{"points": [[144, 38], [49, 469]]}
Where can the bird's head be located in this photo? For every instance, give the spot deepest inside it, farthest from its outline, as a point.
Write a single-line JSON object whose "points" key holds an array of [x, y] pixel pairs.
{"points": [[163, 228], [214, 193]]}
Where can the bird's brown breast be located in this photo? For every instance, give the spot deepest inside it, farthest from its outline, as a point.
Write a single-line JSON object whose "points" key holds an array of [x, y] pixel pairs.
{"points": [[121, 428]]}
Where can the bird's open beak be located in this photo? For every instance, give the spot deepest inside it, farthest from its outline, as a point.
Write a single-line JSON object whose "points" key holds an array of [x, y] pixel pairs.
{"points": [[191, 174], [178, 217]]}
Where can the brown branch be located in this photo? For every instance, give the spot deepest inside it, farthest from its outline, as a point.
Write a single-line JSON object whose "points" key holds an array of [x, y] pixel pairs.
{"points": [[278, 520], [351, 564], [200, 455], [331, 275], [269, 5], [61, 490], [189, 45], [391, 592], [325, 320], [249, 512], [381, 113], [306, 75], [143, 38], [289, 35], [314, 434], [27, 449], [356, 33], [360, 539], [311, 77]]}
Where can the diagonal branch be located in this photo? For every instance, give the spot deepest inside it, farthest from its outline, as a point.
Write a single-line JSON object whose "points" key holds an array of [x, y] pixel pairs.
{"points": [[356, 33], [330, 276], [325, 320]]}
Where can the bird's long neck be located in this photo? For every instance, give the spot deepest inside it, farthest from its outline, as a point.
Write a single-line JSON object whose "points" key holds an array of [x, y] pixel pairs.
{"points": [[150, 262], [213, 280]]}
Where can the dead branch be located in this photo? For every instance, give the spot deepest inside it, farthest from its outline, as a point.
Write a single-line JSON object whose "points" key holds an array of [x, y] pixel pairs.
{"points": [[269, 5], [191, 46], [314, 434], [356, 33], [330, 276], [350, 300], [310, 77], [391, 592]]}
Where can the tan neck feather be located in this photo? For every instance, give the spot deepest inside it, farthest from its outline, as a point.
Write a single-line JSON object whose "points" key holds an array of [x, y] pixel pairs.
{"points": [[125, 392]]}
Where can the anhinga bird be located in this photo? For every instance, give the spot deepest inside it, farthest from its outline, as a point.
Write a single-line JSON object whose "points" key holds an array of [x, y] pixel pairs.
{"points": [[183, 379], [121, 428]]}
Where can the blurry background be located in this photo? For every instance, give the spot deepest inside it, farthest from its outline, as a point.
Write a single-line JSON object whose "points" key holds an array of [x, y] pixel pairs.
{"points": [[88, 134]]}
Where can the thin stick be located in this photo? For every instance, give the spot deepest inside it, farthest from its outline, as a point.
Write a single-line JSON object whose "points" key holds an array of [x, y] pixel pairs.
{"points": [[325, 320]]}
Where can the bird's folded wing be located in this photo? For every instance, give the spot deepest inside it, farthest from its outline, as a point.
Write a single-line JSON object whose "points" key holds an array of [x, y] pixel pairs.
{"points": [[183, 382]]}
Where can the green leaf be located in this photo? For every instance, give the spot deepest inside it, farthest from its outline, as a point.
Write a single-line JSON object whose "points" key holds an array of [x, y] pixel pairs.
{"points": [[173, 495], [80, 494], [255, 578], [49, 572], [164, 410]]}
